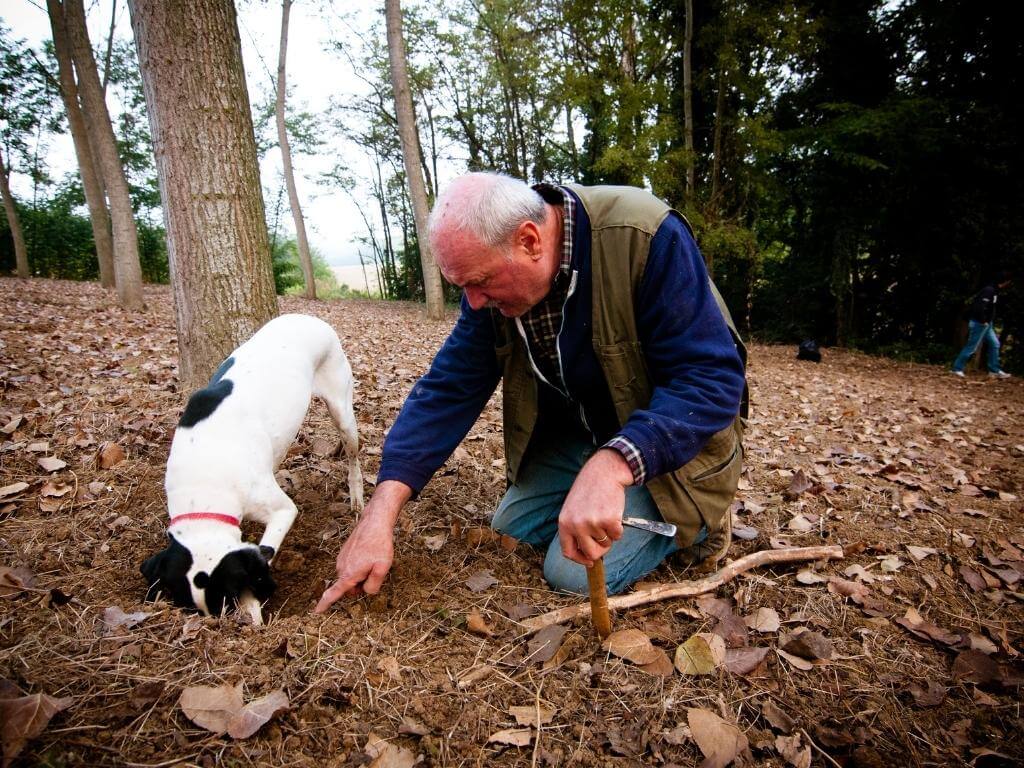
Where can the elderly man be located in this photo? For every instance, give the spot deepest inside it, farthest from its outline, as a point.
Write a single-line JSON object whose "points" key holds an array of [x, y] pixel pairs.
{"points": [[622, 382]]}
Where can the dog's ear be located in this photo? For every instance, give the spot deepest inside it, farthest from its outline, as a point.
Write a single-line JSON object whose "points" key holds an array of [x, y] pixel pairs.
{"points": [[258, 569], [238, 571], [167, 571]]}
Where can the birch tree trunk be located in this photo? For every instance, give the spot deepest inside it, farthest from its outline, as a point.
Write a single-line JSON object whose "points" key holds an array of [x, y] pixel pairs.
{"points": [[286, 159], [691, 160], [190, 58], [411, 155], [127, 269], [92, 181], [20, 252]]}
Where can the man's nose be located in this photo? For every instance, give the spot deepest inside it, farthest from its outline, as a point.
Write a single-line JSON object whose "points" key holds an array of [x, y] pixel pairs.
{"points": [[477, 299]]}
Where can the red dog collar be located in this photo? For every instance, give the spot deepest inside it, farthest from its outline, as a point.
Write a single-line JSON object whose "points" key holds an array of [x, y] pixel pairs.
{"points": [[206, 516]]}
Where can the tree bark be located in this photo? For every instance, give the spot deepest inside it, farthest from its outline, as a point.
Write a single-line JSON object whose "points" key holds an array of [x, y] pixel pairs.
{"points": [[92, 181], [432, 288], [305, 261], [691, 160], [127, 269], [20, 252], [190, 58]]}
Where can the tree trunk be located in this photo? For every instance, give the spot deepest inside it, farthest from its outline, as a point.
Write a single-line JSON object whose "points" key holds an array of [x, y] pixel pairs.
{"points": [[127, 270], [286, 159], [92, 181], [20, 252], [432, 288], [217, 246], [691, 160]]}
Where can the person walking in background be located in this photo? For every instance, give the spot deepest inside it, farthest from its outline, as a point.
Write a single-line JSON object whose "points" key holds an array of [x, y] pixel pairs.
{"points": [[981, 317]]}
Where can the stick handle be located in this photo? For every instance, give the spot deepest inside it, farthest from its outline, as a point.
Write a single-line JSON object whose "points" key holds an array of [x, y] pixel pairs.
{"points": [[599, 599]]}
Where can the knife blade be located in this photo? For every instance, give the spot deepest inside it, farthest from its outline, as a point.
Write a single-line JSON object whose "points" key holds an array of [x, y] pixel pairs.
{"points": [[654, 526]]}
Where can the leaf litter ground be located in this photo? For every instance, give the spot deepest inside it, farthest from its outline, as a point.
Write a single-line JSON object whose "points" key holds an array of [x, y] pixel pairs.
{"points": [[911, 643]]}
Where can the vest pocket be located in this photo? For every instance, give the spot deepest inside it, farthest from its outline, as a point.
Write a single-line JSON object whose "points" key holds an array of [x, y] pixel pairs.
{"points": [[626, 373]]}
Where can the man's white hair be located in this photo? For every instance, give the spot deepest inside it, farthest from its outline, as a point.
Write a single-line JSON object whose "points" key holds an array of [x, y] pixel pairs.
{"points": [[489, 206]]}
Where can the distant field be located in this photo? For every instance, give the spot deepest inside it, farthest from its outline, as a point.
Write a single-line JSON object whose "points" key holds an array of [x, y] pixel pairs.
{"points": [[353, 277]]}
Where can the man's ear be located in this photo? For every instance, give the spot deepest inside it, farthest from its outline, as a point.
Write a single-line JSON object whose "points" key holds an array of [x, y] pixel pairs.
{"points": [[528, 238]]}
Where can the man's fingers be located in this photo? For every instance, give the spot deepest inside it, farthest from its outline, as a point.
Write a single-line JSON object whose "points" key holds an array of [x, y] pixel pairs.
{"points": [[376, 578], [331, 596]]}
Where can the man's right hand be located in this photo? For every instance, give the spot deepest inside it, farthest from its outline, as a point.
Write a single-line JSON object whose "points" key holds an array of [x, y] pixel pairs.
{"points": [[365, 558]]}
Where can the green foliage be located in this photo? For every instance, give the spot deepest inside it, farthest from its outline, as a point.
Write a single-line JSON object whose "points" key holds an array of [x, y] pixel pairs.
{"points": [[60, 245]]}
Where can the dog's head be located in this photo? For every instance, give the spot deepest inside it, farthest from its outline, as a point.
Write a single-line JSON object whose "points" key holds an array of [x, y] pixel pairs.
{"points": [[209, 582]]}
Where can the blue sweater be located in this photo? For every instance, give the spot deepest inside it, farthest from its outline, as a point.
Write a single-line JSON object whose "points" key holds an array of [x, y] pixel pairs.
{"points": [[694, 367]]}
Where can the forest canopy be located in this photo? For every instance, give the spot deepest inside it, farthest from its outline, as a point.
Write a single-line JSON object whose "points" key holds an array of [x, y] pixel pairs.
{"points": [[852, 168]]}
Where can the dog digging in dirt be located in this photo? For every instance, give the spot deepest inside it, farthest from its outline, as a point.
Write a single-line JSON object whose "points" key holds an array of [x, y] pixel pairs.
{"points": [[230, 439]]}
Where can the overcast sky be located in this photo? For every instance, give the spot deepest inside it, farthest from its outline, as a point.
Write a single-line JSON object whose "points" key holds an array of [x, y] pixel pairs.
{"points": [[314, 76]]}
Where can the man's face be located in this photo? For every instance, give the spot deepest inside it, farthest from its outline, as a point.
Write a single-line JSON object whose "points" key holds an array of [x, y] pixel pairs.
{"points": [[508, 279]]}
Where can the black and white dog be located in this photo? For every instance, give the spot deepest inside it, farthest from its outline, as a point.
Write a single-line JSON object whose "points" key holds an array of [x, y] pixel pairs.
{"points": [[230, 439]]}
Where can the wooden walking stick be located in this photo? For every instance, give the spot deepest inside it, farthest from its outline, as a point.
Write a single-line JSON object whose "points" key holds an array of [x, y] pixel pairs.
{"points": [[599, 599]]}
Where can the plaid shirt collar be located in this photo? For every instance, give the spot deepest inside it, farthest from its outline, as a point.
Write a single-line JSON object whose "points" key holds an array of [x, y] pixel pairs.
{"points": [[555, 195]]}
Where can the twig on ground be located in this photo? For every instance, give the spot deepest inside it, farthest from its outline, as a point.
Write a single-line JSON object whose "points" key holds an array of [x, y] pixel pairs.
{"points": [[690, 588]]}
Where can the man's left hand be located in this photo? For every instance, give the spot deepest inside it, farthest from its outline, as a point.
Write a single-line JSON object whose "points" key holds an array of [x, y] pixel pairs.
{"points": [[591, 517]]}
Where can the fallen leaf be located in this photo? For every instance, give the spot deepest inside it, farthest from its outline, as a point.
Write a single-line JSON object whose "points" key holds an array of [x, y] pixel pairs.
{"points": [[800, 524], [975, 667], [800, 663], [793, 751], [764, 620], [920, 553], [930, 696], [14, 581], [743, 531], [798, 485], [434, 543], [660, 667], [387, 755], [743, 661], [973, 578], [809, 577], [110, 455], [914, 623], [212, 708], [10, 426], [12, 489], [391, 667], [963, 539], [22, 718], [982, 643], [808, 645], [257, 713], [632, 645], [515, 737], [778, 719], [481, 580], [475, 623], [114, 617], [321, 447], [51, 463], [55, 490], [413, 727], [528, 714], [719, 741], [475, 675], [521, 611], [891, 564], [701, 654], [546, 643]]}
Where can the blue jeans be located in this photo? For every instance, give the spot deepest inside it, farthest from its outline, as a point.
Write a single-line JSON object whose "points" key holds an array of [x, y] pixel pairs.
{"points": [[529, 512], [975, 333]]}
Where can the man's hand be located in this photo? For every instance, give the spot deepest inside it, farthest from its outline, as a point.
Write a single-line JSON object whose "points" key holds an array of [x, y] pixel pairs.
{"points": [[591, 517], [365, 558]]}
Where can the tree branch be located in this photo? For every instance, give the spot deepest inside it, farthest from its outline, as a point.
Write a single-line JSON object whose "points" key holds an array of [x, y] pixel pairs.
{"points": [[689, 588]]}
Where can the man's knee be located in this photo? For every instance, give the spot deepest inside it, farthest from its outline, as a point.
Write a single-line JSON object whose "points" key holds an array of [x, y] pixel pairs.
{"points": [[565, 575]]}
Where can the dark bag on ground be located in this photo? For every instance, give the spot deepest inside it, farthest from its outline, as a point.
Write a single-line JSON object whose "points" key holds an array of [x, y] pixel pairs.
{"points": [[808, 350]]}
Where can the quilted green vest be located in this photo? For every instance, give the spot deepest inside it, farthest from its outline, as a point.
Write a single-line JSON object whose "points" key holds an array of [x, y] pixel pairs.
{"points": [[623, 221]]}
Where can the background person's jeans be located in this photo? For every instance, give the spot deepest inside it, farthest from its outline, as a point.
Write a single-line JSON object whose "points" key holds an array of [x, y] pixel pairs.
{"points": [[529, 512], [975, 333]]}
